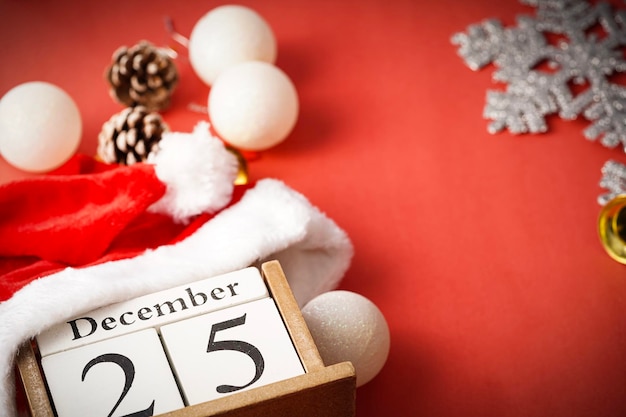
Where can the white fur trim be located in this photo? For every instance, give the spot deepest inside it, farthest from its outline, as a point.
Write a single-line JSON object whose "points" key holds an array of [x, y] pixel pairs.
{"points": [[199, 173], [271, 221]]}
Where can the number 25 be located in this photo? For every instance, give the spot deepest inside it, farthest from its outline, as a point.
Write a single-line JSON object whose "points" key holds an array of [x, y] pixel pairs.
{"points": [[237, 345]]}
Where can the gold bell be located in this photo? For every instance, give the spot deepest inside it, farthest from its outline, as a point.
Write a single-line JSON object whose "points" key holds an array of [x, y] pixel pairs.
{"points": [[242, 172], [612, 228]]}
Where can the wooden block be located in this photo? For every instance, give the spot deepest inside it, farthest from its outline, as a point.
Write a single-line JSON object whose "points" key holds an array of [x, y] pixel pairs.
{"points": [[327, 392], [290, 312], [127, 375], [154, 310], [322, 391], [32, 381], [230, 351]]}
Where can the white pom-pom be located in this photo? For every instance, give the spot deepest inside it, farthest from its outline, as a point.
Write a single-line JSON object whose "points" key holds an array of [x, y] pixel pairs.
{"points": [[199, 173]]}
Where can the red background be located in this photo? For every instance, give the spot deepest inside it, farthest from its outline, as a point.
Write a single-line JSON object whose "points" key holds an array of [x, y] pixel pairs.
{"points": [[481, 250]]}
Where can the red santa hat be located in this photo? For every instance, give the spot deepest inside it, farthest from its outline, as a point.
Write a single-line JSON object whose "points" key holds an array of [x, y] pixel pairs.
{"points": [[93, 234]]}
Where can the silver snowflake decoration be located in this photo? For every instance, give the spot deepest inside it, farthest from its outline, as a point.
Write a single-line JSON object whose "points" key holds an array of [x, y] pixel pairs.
{"points": [[613, 181], [559, 61]]}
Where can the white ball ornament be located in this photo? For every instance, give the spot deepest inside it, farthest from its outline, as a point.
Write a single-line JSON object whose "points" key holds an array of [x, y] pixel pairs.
{"points": [[40, 126], [348, 327], [228, 35], [253, 106]]}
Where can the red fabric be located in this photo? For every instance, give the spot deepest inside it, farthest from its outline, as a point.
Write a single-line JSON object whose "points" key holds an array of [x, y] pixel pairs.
{"points": [[83, 214], [73, 218]]}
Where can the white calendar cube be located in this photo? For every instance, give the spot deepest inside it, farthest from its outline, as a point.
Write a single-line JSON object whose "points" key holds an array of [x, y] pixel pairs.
{"points": [[127, 375], [230, 350]]}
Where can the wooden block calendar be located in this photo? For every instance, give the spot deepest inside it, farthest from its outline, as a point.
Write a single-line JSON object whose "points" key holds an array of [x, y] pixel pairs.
{"points": [[233, 345]]}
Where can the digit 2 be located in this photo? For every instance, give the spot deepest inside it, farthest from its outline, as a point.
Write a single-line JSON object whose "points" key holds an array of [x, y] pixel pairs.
{"points": [[237, 345], [129, 376]]}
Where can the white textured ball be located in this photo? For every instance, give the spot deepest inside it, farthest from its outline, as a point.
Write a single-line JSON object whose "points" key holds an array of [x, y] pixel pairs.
{"points": [[348, 327], [226, 36], [253, 105], [40, 126]]}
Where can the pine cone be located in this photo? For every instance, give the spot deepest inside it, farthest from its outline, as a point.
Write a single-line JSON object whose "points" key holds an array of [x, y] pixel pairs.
{"points": [[130, 136], [142, 75]]}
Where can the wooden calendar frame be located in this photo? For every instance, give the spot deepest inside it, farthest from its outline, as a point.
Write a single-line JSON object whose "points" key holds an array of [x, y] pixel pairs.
{"points": [[322, 391]]}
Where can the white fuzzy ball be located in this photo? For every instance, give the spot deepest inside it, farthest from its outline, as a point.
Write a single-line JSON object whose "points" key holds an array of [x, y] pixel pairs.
{"points": [[199, 173], [348, 327], [226, 36], [40, 126], [253, 105]]}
